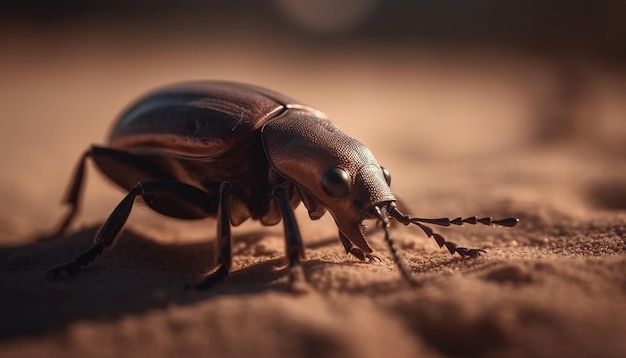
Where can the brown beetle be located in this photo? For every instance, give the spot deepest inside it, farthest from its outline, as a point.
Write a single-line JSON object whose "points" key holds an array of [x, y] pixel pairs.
{"points": [[238, 152]]}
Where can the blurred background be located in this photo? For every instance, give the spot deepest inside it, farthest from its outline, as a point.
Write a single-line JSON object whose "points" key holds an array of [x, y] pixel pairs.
{"points": [[545, 70], [444, 80]]}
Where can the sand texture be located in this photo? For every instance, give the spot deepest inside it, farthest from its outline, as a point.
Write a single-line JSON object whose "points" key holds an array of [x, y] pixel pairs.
{"points": [[485, 134]]}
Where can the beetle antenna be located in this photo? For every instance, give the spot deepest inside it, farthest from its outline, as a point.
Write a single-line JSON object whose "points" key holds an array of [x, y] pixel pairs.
{"points": [[381, 214], [508, 222], [441, 241]]}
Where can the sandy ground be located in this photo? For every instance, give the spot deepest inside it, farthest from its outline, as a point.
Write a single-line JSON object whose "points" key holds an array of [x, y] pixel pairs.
{"points": [[462, 134]]}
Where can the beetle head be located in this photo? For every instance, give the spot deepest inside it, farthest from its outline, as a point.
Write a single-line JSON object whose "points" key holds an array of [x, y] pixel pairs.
{"points": [[332, 170]]}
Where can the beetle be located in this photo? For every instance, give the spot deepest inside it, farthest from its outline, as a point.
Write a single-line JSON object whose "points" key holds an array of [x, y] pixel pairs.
{"points": [[235, 151]]}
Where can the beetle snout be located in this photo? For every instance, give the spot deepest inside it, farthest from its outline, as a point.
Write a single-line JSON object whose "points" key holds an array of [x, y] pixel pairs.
{"points": [[371, 191], [372, 212]]}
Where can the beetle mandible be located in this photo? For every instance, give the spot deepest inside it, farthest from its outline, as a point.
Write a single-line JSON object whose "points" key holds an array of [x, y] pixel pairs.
{"points": [[235, 152]]}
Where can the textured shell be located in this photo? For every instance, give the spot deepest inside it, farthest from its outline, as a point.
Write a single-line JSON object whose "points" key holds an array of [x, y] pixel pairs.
{"points": [[301, 146], [196, 119]]}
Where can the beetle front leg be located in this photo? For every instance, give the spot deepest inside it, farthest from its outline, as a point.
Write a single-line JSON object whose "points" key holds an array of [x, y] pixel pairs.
{"points": [[355, 251], [224, 252], [293, 242]]}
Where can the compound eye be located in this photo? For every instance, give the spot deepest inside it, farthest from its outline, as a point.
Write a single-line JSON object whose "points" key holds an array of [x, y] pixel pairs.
{"points": [[336, 182], [387, 175]]}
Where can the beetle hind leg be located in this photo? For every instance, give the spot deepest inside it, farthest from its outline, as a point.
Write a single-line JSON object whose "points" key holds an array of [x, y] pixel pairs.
{"points": [[105, 236], [155, 194], [72, 197]]}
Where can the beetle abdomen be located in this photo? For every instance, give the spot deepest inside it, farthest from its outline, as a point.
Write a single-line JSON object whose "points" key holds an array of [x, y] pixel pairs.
{"points": [[197, 120]]}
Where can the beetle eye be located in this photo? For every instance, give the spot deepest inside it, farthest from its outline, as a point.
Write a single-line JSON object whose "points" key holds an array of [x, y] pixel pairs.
{"points": [[387, 175], [336, 182]]}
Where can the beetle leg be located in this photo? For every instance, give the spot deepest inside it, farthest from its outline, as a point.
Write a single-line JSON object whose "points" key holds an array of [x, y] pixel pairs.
{"points": [[152, 192], [128, 170], [293, 241], [355, 251], [104, 237], [73, 195], [224, 253]]}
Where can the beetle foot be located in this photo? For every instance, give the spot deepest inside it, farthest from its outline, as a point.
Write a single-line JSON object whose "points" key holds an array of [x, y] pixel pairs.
{"points": [[372, 258], [359, 254]]}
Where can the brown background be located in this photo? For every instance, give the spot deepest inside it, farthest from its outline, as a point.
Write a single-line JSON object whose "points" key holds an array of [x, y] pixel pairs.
{"points": [[494, 108]]}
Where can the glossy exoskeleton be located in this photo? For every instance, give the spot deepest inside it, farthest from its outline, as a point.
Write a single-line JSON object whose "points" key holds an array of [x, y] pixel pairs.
{"points": [[237, 152]]}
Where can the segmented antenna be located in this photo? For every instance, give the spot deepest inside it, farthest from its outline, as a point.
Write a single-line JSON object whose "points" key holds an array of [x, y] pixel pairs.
{"points": [[508, 222], [441, 241]]}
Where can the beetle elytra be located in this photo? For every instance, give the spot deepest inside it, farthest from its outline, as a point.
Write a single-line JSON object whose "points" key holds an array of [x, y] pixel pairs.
{"points": [[237, 152]]}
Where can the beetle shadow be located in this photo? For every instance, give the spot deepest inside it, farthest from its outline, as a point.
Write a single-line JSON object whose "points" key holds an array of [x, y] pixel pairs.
{"points": [[138, 275]]}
